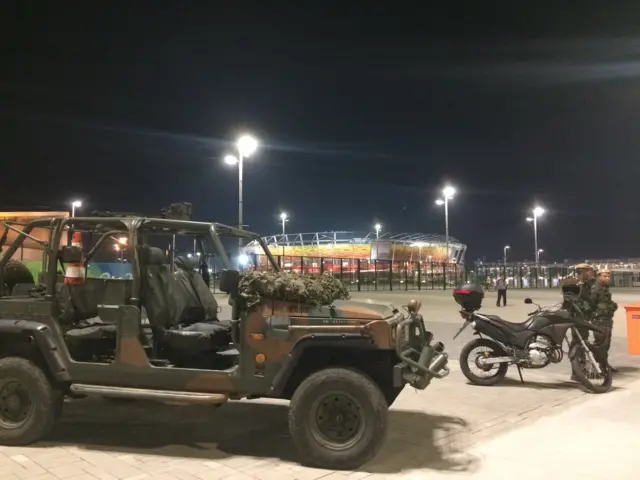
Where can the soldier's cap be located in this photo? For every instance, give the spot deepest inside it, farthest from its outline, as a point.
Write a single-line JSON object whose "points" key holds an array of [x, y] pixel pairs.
{"points": [[604, 270], [584, 266]]}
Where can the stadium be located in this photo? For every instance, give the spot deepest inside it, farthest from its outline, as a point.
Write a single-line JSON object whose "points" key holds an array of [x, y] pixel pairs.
{"points": [[402, 247], [382, 257]]}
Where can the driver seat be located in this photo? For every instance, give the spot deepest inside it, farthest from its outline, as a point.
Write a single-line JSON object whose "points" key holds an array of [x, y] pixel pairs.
{"points": [[169, 310], [201, 304]]}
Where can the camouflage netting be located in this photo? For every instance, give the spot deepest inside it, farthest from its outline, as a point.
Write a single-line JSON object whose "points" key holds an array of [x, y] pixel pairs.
{"points": [[293, 287]]}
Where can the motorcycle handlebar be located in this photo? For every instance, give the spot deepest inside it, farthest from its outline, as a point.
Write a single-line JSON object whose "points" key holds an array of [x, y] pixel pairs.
{"points": [[532, 313]]}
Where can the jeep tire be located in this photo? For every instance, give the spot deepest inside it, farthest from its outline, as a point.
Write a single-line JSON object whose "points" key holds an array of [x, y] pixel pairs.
{"points": [[29, 405], [338, 419]]}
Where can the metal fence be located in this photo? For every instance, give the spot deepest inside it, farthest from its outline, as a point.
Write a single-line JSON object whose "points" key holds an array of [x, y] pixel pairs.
{"points": [[544, 276], [384, 275], [366, 275]]}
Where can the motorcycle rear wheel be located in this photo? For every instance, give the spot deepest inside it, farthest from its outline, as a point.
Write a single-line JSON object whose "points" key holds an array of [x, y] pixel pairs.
{"points": [[467, 352], [578, 365]]}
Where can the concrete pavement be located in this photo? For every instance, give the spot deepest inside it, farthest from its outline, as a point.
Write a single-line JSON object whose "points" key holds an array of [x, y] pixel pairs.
{"points": [[597, 439], [450, 430], [439, 306]]}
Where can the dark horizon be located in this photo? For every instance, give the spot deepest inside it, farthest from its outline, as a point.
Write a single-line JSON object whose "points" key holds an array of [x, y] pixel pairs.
{"points": [[361, 119]]}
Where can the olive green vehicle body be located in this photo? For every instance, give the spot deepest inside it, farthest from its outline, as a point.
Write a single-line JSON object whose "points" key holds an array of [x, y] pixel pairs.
{"points": [[278, 343]]}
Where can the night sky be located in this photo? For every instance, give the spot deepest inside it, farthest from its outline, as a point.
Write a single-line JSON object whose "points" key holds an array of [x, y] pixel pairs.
{"points": [[363, 113]]}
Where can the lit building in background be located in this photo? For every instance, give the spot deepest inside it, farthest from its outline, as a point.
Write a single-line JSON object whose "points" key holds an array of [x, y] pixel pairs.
{"points": [[30, 251], [392, 247]]}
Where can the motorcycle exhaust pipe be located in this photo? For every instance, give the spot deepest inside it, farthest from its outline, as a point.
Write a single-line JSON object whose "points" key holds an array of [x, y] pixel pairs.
{"points": [[494, 360]]}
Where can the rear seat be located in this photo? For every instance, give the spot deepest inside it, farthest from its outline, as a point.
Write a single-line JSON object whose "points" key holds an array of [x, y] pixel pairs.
{"points": [[111, 291], [76, 307]]}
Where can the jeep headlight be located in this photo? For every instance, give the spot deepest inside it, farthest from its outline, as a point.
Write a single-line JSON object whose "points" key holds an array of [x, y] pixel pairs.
{"points": [[414, 306]]}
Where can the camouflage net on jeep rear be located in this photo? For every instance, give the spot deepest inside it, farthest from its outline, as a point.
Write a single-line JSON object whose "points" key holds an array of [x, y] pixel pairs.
{"points": [[292, 287]]}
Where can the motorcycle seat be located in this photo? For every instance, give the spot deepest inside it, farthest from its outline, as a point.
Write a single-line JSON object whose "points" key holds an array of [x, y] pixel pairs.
{"points": [[516, 327]]}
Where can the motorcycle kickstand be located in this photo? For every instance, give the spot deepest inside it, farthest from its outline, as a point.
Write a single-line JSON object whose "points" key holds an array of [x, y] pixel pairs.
{"points": [[520, 373]]}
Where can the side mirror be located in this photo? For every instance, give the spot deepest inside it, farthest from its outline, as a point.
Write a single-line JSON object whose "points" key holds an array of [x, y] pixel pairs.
{"points": [[229, 280], [528, 301]]}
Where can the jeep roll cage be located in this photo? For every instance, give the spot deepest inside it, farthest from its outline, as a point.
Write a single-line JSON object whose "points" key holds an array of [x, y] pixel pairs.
{"points": [[136, 230]]}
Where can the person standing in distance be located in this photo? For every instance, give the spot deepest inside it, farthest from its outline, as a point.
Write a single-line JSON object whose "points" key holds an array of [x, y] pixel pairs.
{"points": [[501, 287], [604, 309]]}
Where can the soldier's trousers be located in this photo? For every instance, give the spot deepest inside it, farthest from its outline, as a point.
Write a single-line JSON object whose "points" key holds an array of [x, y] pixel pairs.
{"points": [[584, 333], [602, 341]]}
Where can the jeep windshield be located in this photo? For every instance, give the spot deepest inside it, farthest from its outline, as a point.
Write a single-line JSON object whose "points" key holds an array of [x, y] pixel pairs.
{"points": [[215, 241]]}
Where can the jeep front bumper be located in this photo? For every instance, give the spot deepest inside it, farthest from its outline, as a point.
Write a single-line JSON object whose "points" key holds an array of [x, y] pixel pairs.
{"points": [[420, 360]]}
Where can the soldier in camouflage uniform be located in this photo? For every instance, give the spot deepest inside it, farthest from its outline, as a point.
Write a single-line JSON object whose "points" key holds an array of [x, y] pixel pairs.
{"points": [[603, 312], [586, 281], [584, 272]]}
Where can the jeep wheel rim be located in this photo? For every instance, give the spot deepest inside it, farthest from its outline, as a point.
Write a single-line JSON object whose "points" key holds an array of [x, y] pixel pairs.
{"points": [[15, 403], [337, 421]]}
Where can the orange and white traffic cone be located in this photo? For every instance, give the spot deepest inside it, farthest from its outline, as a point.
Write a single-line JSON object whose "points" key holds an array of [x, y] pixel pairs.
{"points": [[75, 273], [76, 240]]}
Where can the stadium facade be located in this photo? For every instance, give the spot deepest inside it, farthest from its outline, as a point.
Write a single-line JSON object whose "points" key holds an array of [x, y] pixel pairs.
{"points": [[391, 247], [366, 261]]}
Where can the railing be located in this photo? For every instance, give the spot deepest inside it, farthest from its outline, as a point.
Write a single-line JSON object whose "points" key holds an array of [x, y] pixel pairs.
{"points": [[366, 275], [384, 275]]}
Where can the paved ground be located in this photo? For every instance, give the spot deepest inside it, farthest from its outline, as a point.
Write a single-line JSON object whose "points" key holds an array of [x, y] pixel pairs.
{"points": [[452, 429], [596, 439]]}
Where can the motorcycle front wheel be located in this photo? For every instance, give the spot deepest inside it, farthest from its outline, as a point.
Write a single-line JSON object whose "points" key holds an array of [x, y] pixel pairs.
{"points": [[485, 375], [587, 373]]}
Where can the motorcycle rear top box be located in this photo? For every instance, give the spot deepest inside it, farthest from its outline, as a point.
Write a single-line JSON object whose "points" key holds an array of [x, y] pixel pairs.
{"points": [[469, 296]]}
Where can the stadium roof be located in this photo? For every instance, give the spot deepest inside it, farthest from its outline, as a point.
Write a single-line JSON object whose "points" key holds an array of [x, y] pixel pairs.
{"points": [[345, 237]]}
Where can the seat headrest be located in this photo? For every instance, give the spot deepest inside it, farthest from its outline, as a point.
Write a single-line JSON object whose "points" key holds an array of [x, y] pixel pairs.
{"points": [[185, 263], [149, 256]]}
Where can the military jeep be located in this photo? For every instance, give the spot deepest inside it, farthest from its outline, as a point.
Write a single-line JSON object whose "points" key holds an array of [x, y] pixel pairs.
{"points": [[154, 333]]}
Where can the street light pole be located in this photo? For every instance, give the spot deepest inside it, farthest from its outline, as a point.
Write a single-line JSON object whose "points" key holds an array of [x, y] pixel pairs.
{"points": [[378, 227], [446, 224], [447, 193], [283, 217], [74, 204], [507, 247], [535, 236], [240, 172], [537, 212], [246, 145]]}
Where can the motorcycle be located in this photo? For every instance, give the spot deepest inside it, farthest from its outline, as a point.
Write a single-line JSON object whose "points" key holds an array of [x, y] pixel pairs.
{"points": [[534, 343]]}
